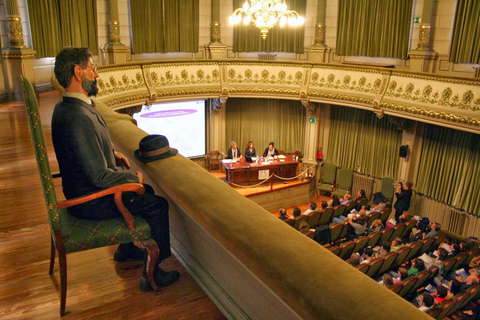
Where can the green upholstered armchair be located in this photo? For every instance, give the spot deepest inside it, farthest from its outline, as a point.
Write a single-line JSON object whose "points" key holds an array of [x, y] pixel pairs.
{"points": [[387, 189], [344, 182], [327, 178], [70, 234]]}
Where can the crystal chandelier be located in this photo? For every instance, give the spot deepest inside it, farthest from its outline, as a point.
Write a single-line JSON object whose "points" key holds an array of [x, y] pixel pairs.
{"points": [[265, 14]]}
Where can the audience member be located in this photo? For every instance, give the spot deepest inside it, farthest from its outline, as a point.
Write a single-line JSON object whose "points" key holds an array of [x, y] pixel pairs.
{"points": [[367, 256], [324, 205], [347, 198], [398, 244], [400, 276], [435, 230], [310, 209], [283, 214], [359, 226], [335, 201], [381, 206], [304, 227], [404, 195], [360, 195], [376, 226], [440, 294], [354, 260], [418, 265], [426, 302], [387, 280], [296, 212], [384, 250]]}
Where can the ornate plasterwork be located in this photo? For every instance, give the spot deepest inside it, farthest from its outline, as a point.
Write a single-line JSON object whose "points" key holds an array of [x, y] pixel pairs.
{"points": [[15, 32], [447, 100], [434, 92]]}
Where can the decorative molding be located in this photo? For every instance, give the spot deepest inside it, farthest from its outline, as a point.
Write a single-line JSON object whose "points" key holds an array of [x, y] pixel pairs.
{"points": [[311, 107], [130, 110], [218, 103], [114, 32], [216, 32], [15, 32], [424, 43], [320, 34]]}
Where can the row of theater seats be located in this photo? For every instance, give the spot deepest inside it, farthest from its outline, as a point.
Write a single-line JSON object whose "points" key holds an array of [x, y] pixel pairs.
{"points": [[459, 301], [325, 217], [340, 230]]}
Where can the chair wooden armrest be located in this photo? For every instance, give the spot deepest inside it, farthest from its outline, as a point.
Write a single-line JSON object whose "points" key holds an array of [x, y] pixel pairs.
{"points": [[117, 192]]}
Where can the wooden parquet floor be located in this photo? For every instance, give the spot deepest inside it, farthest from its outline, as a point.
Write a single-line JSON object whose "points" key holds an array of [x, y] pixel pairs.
{"points": [[98, 287]]}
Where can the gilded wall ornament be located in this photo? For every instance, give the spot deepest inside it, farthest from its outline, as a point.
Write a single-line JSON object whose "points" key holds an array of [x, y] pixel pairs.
{"points": [[15, 32], [319, 34], [114, 32], [216, 35]]}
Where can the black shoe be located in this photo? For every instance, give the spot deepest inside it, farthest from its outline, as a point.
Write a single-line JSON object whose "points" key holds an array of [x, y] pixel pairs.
{"points": [[162, 279], [132, 253]]}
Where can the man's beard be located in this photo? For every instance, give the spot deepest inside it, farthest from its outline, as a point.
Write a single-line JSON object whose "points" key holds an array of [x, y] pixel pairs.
{"points": [[90, 86]]}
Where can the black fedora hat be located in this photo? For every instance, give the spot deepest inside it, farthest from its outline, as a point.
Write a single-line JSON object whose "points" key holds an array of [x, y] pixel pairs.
{"points": [[154, 147]]}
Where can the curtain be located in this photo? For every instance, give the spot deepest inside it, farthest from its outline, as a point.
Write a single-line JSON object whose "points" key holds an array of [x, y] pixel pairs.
{"points": [[165, 25], [263, 121], [56, 24], [450, 167], [466, 33], [360, 141], [246, 38], [374, 28]]}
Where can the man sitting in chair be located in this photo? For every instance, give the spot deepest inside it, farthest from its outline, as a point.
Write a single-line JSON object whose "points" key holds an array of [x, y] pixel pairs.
{"points": [[88, 162]]}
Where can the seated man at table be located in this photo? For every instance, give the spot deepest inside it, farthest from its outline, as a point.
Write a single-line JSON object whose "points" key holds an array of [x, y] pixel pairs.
{"points": [[234, 152], [270, 151]]}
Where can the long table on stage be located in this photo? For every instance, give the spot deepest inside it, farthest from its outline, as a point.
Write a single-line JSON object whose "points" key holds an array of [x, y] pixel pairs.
{"points": [[243, 172]]}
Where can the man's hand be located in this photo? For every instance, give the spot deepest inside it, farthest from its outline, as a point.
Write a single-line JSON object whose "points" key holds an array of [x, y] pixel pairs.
{"points": [[121, 161], [140, 177]]}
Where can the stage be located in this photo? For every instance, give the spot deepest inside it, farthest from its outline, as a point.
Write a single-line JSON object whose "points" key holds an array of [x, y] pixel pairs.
{"points": [[276, 195]]}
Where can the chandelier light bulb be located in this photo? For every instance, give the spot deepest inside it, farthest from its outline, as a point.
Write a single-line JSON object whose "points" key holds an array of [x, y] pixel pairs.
{"points": [[246, 20]]}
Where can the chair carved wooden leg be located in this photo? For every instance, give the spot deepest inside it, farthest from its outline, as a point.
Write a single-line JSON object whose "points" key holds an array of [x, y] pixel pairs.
{"points": [[52, 256], [62, 260], [153, 252]]}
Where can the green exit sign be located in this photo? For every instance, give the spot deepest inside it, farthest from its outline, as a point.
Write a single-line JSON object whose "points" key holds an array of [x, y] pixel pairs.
{"points": [[417, 19], [312, 120]]}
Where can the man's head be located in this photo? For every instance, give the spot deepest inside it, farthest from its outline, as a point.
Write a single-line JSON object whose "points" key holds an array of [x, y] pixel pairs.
{"points": [[75, 70], [361, 193], [427, 300], [313, 205], [282, 212], [296, 212]]}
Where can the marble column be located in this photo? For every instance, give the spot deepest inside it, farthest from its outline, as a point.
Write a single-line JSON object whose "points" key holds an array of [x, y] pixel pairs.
{"points": [[17, 58], [216, 49], [114, 51], [319, 51], [217, 126], [311, 133], [424, 58]]}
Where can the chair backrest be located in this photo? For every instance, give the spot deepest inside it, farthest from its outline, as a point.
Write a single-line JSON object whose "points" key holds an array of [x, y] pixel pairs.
{"points": [[438, 239], [338, 210], [335, 231], [374, 216], [290, 222], [374, 266], [41, 154], [427, 243], [360, 244], [402, 256], [326, 217], [386, 235], [384, 214], [374, 237], [448, 265], [361, 202], [352, 205], [460, 259], [363, 267], [313, 218], [347, 249], [407, 285], [387, 263], [446, 308], [422, 277], [396, 287], [214, 155], [397, 231], [329, 171], [345, 178], [296, 225], [415, 248], [387, 188], [335, 250], [473, 293], [347, 229], [471, 254], [310, 234], [409, 225]]}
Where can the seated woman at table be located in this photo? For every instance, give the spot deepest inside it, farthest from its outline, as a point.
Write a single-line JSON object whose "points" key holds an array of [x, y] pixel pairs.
{"points": [[270, 151], [234, 152], [250, 151]]}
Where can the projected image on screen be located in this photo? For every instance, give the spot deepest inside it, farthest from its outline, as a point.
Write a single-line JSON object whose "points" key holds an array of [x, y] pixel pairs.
{"points": [[183, 123]]}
